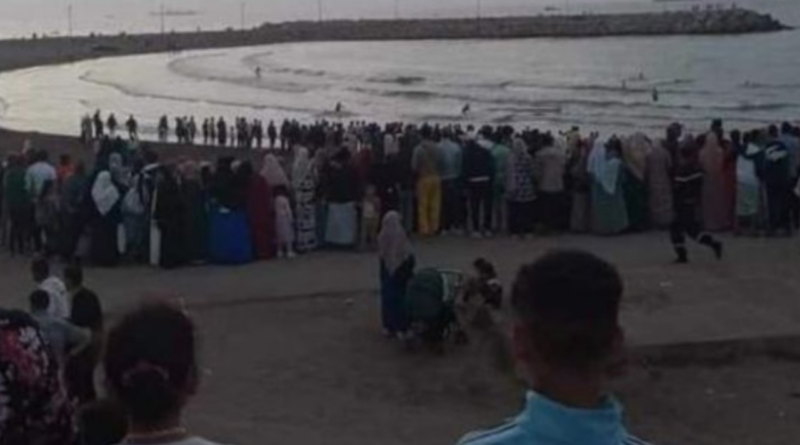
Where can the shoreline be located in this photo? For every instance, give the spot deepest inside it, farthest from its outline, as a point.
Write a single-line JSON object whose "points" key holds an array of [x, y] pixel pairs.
{"points": [[30, 53]]}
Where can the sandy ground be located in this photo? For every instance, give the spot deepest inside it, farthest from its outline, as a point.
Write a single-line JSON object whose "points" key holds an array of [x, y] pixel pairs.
{"points": [[294, 355]]}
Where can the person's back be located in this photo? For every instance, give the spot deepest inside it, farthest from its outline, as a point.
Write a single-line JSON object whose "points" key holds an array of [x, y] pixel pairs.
{"points": [[451, 159], [37, 175], [568, 342], [151, 368], [427, 159], [55, 288], [551, 162], [63, 337]]}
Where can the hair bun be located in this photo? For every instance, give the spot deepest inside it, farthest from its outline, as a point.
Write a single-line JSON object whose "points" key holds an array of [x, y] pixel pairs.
{"points": [[144, 368]]}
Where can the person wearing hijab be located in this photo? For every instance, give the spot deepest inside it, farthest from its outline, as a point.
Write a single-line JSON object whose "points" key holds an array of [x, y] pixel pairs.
{"points": [[260, 212], [427, 165], [609, 214], [34, 406], [551, 160], [342, 193], [193, 200], [304, 183], [397, 264], [715, 202], [635, 150], [520, 190], [272, 171], [169, 215], [580, 185], [106, 219], [748, 185], [230, 241], [659, 181]]}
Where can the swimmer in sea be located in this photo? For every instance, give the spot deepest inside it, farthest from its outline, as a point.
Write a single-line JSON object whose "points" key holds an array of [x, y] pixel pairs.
{"points": [[338, 107], [466, 109], [655, 94], [258, 72]]}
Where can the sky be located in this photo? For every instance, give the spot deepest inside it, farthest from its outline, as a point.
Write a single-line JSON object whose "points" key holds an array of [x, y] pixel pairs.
{"points": [[50, 16]]}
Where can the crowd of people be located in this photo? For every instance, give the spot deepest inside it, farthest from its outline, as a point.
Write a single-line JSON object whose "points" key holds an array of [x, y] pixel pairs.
{"points": [[334, 183]]}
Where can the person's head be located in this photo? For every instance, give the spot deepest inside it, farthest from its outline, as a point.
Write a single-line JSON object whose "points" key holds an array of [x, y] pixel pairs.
{"points": [[566, 307], [150, 365], [40, 269], [773, 131], [716, 128], [40, 156], [64, 160], [485, 269], [426, 132], [736, 137], [33, 392], [786, 128], [73, 276], [614, 148], [674, 132], [39, 301]]}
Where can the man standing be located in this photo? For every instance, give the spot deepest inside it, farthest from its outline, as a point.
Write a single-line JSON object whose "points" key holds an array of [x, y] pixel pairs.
{"points": [[133, 128], [568, 342], [792, 143], [37, 175], [272, 133], [98, 125], [452, 213], [426, 164], [687, 186], [87, 313]]}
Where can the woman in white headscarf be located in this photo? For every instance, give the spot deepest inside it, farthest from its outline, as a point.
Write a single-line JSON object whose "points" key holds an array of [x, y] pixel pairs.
{"points": [[304, 183], [609, 213], [106, 219], [397, 264], [272, 171], [635, 150]]}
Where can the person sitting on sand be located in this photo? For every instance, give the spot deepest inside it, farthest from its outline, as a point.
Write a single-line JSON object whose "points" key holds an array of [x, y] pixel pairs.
{"points": [[151, 370], [568, 341]]}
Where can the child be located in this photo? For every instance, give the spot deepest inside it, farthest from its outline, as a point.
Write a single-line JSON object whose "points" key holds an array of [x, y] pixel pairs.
{"points": [[285, 223], [370, 219], [483, 294]]}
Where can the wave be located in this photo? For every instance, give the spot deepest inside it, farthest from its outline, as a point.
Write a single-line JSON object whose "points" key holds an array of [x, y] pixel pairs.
{"points": [[399, 80], [129, 91], [182, 68], [770, 86]]}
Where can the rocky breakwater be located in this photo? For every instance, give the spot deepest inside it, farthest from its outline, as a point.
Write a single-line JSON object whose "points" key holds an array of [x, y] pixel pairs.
{"points": [[727, 21]]}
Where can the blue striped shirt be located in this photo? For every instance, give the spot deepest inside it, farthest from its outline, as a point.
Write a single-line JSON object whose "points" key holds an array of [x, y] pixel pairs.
{"points": [[546, 422]]}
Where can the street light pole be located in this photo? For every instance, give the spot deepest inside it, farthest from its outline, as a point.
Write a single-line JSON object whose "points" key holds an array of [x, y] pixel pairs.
{"points": [[319, 10], [69, 20]]}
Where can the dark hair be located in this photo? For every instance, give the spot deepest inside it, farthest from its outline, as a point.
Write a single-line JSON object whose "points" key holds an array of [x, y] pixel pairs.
{"points": [[39, 300], [773, 131], [150, 362], [569, 301], [786, 128], [73, 274], [485, 268], [64, 159], [40, 268]]}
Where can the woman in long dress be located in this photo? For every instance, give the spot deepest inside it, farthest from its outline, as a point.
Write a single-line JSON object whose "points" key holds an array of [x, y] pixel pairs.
{"points": [[609, 214], [342, 193], [260, 212], [106, 219], [397, 264], [193, 197], [635, 151], [715, 201], [169, 215], [230, 241], [304, 182]]}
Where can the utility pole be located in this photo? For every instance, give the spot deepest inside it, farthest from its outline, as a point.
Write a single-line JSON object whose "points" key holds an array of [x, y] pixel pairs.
{"points": [[319, 10], [241, 15], [163, 13], [69, 20], [396, 9]]}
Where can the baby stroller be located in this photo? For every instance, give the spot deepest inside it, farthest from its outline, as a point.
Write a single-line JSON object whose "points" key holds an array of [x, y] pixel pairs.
{"points": [[431, 300]]}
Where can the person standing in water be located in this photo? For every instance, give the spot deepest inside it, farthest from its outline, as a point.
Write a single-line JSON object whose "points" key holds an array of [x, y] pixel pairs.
{"points": [[133, 128]]}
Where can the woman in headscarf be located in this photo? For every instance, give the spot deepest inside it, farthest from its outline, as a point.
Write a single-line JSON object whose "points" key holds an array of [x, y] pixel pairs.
{"points": [[609, 214], [580, 185], [520, 190], [272, 171], [659, 178], [230, 238], [304, 182], [193, 200], [748, 185], [715, 202], [260, 212], [634, 151], [170, 216], [342, 194], [397, 264], [106, 220], [34, 407]]}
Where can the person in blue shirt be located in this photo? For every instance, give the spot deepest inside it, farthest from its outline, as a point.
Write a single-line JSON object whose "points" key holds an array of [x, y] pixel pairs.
{"points": [[568, 342]]}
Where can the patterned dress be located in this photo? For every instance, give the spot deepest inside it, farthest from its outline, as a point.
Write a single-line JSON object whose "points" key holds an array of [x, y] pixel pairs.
{"points": [[306, 212]]}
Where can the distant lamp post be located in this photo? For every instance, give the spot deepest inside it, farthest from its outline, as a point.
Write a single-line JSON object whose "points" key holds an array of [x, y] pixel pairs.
{"points": [[319, 11]]}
